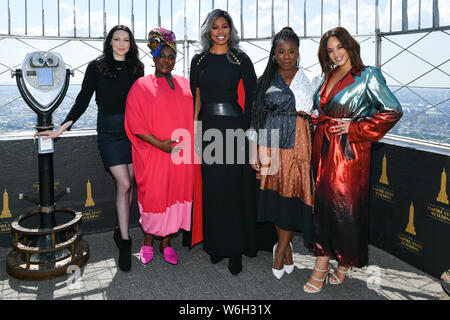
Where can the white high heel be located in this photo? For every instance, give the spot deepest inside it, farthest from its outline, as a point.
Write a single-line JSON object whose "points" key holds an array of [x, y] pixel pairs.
{"points": [[314, 288], [277, 273], [289, 268], [334, 278]]}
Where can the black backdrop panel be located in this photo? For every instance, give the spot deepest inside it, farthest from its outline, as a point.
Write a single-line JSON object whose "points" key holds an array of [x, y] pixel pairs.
{"points": [[77, 165], [409, 206], [409, 210]]}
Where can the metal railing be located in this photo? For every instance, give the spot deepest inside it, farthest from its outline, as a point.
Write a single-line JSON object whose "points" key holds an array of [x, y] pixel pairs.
{"points": [[86, 22], [417, 124]]}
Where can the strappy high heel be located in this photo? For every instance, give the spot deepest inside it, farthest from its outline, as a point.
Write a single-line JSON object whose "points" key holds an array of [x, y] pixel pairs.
{"points": [[334, 279], [314, 288]]}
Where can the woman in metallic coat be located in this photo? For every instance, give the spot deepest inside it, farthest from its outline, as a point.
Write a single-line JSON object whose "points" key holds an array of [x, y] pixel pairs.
{"points": [[355, 108]]}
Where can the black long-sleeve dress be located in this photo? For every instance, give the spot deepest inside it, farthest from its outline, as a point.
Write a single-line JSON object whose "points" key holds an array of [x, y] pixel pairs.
{"points": [[110, 96], [228, 197]]}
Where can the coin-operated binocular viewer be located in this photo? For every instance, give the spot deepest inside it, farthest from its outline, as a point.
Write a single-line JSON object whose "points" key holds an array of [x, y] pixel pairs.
{"points": [[45, 252]]}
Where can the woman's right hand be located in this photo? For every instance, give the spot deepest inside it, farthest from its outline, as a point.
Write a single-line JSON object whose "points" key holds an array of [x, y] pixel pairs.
{"points": [[166, 146], [48, 134], [256, 166], [54, 134], [163, 145], [254, 159]]}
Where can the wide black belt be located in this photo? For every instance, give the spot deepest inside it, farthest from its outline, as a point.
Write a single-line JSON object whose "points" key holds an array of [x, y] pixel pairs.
{"points": [[230, 109]]}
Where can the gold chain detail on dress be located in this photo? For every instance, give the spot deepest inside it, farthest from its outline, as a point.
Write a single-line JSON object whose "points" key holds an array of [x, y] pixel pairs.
{"points": [[231, 53], [202, 57], [235, 58]]}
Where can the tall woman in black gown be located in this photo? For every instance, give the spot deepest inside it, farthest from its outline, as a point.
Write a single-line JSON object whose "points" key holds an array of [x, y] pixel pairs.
{"points": [[228, 205], [111, 77]]}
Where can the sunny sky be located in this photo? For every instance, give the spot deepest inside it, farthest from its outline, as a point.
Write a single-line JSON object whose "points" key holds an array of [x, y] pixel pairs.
{"points": [[433, 48]]}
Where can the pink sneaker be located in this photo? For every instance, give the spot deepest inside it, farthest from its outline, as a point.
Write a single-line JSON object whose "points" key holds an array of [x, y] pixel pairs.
{"points": [[170, 255], [146, 254]]}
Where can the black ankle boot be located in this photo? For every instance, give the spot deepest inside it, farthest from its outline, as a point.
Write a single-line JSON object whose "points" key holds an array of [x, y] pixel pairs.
{"points": [[125, 254], [124, 250], [215, 259], [235, 264], [117, 235]]}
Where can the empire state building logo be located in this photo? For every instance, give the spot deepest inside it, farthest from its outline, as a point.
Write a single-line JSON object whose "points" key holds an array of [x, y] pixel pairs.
{"points": [[6, 213], [410, 227], [442, 196], [89, 201], [384, 177]]}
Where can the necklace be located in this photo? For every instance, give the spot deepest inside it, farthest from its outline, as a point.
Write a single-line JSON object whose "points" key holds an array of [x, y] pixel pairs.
{"points": [[121, 63]]}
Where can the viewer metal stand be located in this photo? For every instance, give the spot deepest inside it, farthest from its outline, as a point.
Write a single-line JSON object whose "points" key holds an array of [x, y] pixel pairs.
{"points": [[48, 251]]}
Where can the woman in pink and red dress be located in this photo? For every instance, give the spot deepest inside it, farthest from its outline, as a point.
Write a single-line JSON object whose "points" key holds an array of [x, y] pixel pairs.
{"points": [[158, 122]]}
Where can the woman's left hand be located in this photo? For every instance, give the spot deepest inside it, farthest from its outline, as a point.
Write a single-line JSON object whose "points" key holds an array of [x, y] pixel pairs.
{"points": [[341, 127]]}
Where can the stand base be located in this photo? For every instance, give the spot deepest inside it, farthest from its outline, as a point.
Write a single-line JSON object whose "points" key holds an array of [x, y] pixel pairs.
{"points": [[17, 268]]}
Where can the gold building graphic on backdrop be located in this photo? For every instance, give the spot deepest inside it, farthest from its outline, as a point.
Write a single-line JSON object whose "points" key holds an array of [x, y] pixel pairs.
{"points": [[442, 196], [410, 227], [384, 177], [89, 201], [6, 213], [408, 240]]}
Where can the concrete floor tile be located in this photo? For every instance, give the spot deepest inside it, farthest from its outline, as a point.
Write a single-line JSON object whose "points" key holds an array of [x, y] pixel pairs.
{"points": [[195, 278]]}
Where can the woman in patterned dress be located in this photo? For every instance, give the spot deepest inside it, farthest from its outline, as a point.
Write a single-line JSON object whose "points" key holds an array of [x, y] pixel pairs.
{"points": [[282, 154]]}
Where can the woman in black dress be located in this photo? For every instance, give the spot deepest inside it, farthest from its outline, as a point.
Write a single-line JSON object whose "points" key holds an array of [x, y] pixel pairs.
{"points": [[111, 77], [218, 72]]}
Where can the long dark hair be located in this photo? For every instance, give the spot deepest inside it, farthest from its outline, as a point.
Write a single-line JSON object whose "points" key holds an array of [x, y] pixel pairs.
{"points": [[348, 43], [258, 113], [105, 62]]}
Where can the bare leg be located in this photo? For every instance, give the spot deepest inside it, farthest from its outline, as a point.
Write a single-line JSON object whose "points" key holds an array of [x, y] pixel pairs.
{"points": [[148, 239], [123, 184], [170, 256], [322, 264], [340, 275], [165, 243], [283, 253], [131, 174]]}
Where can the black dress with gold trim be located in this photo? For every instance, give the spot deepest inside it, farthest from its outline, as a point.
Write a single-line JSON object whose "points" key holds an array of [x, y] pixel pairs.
{"points": [[227, 200]]}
